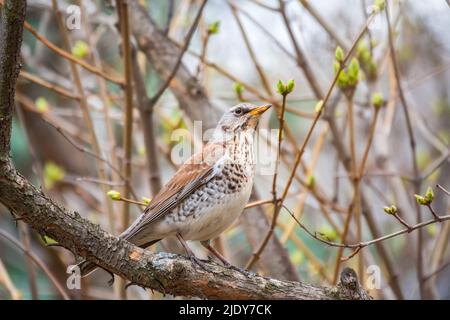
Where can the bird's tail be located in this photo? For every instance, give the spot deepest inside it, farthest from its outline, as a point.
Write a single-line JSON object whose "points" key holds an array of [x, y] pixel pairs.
{"points": [[87, 267]]}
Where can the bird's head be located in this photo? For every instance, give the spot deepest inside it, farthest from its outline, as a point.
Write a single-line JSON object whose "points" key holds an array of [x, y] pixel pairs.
{"points": [[241, 118]]}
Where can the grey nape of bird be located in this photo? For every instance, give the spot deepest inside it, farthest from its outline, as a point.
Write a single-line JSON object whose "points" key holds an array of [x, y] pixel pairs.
{"points": [[207, 193]]}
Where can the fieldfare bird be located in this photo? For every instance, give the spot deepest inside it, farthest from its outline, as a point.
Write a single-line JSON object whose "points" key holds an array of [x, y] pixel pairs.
{"points": [[207, 193]]}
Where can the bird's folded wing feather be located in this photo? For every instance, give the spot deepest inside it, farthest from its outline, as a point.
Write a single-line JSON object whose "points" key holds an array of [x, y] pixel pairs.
{"points": [[195, 172]]}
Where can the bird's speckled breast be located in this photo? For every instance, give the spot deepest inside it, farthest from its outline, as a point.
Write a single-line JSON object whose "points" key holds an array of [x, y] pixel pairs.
{"points": [[213, 207]]}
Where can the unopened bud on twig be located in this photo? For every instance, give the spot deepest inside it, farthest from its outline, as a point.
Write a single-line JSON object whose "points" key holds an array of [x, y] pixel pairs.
{"points": [[285, 89], [52, 174], [41, 105], [311, 182], [390, 210], [319, 106], [146, 200], [339, 54], [353, 72], [238, 88], [379, 5], [426, 199], [213, 28], [114, 195], [80, 49], [377, 100], [290, 86]]}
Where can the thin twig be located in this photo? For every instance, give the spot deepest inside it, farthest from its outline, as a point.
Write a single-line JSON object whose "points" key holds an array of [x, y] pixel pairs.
{"points": [[38, 262], [266, 32], [122, 12], [300, 152], [412, 142], [70, 57], [145, 108], [35, 79], [360, 245], [443, 189], [83, 149], [172, 74], [86, 112], [436, 164], [250, 50], [259, 203], [301, 59], [330, 30]]}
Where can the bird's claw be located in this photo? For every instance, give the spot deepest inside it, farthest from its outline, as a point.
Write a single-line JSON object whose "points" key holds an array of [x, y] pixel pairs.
{"points": [[241, 270], [110, 281], [198, 262], [134, 284]]}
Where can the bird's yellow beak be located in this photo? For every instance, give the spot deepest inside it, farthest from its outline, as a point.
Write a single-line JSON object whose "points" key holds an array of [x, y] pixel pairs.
{"points": [[257, 111]]}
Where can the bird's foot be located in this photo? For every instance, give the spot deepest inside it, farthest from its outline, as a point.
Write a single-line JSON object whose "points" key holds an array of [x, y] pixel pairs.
{"points": [[209, 259], [197, 261], [241, 270], [134, 284], [111, 281]]}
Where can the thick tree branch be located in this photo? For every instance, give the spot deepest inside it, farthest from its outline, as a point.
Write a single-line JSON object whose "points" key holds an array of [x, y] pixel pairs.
{"points": [[12, 16], [168, 273]]}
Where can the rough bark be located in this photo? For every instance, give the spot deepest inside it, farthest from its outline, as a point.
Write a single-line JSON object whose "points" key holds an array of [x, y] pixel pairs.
{"points": [[12, 16], [168, 273]]}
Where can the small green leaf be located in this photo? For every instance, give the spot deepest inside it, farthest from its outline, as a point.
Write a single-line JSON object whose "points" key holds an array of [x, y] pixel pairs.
{"points": [[390, 210], [297, 257], [426, 199], [114, 195], [238, 88], [380, 5], [146, 200], [281, 88], [362, 48], [339, 54], [328, 232], [311, 182], [353, 72], [342, 81], [429, 194], [49, 240], [290, 86], [80, 49], [41, 105], [319, 106], [377, 100], [52, 174], [432, 229], [213, 28], [421, 200]]}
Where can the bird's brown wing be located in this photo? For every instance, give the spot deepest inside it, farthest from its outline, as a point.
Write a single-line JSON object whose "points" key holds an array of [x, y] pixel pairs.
{"points": [[195, 172]]}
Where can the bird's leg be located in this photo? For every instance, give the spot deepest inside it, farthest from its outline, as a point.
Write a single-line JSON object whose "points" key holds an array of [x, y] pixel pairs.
{"points": [[207, 245], [189, 252]]}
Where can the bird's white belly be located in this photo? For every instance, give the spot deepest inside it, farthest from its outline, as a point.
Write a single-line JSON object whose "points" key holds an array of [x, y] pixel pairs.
{"points": [[211, 221]]}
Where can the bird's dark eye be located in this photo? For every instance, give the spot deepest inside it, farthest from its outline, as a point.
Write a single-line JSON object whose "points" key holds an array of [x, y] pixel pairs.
{"points": [[238, 111]]}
